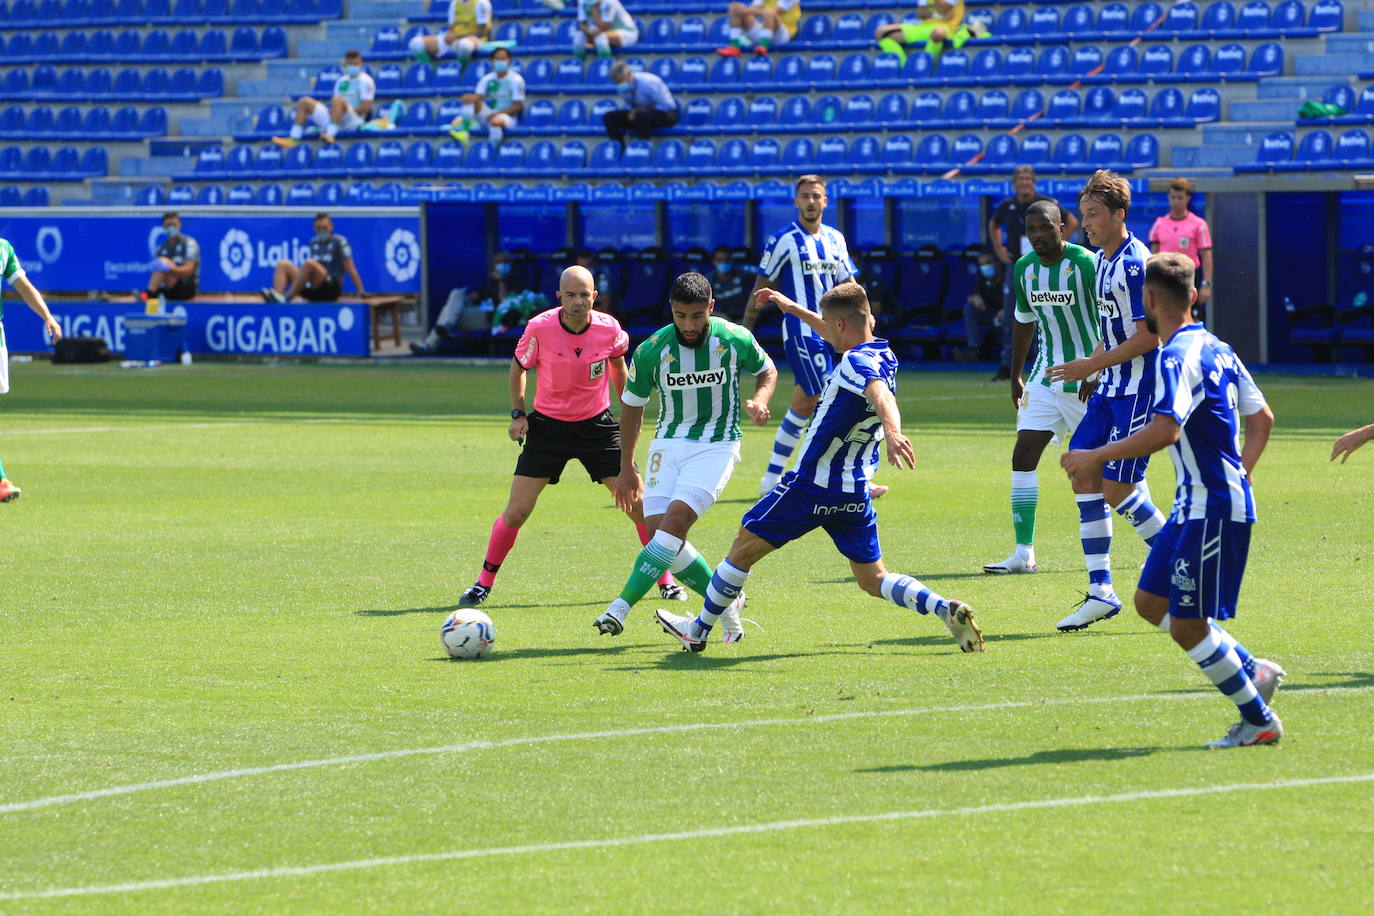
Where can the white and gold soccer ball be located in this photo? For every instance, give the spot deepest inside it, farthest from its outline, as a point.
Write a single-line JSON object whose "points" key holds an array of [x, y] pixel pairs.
{"points": [[467, 633]]}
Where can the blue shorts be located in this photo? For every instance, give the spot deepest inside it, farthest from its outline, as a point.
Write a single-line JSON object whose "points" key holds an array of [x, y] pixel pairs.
{"points": [[1199, 565], [1108, 419], [792, 508], [811, 360]]}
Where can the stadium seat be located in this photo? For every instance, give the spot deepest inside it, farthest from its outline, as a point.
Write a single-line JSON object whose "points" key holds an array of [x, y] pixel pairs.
{"points": [[539, 34], [151, 196], [986, 65], [849, 28], [1099, 105], [39, 125], [665, 68], [1044, 21], [1054, 59], [1078, 21], [1035, 149], [97, 125], [301, 195], [11, 196], [698, 113], [954, 68], [329, 194], [1123, 61], [1157, 61], [1144, 16], [390, 158], [68, 124], [1266, 60], [1131, 105], [299, 162], [637, 156], [1070, 151], [358, 159], [1107, 151], [897, 153], [210, 195], [891, 110], [1011, 22], [692, 31], [1352, 149], [448, 158], [820, 70], [481, 157], [572, 157], [1028, 102], [605, 159], [729, 113], [1326, 16], [670, 157], [1142, 152], [1065, 106], [1085, 60], [181, 195], [858, 109], [927, 106], [1274, 150], [1181, 17], [329, 160], [1204, 106], [999, 156], [994, 108], [692, 71], [758, 71], [1219, 19], [932, 155], [960, 108], [239, 195]]}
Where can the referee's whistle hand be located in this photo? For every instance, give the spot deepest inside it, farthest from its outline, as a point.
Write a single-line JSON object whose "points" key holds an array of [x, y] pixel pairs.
{"points": [[519, 428]]}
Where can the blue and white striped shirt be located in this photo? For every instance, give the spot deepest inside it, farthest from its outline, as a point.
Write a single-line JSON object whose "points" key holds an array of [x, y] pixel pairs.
{"points": [[1121, 302], [1205, 387], [803, 267], [840, 451]]}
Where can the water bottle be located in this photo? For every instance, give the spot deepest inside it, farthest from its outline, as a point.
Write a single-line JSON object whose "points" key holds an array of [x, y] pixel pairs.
{"points": [[186, 357]]}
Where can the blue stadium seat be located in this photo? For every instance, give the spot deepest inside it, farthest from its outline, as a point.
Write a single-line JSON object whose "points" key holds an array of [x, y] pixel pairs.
{"points": [[799, 153], [1204, 106], [733, 157], [758, 71], [854, 69], [1035, 149], [927, 106], [539, 34], [572, 114], [97, 125], [1266, 60], [796, 110], [598, 73], [1065, 107], [184, 46], [816, 28], [569, 72], [1011, 22], [1287, 16], [388, 79], [1106, 152], [765, 157], [299, 162], [11, 162], [419, 158], [39, 125], [1028, 102], [448, 159], [1142, 152], [692, 71], [1044, 21], [763, 110], [1085, 60], [892, 109], [11, 196], [1342, 95], [267, 162], [897, 153], [999, 156], [1078, 21], [820, 70], [211, 195], [1144, 16], [1054, 59], [659, 35], [67, 126], [1131, 105], [181, 195], [697, 113], [1071, 150], [1182, 17], [101, 45], [481, 157], [960, 108], [301, 195], [849, 28], [1099, 105], [1157, 61], [209, 163], [419, 116], [329, 160], [1274, 150], [12, 122], [1253, 17], [954, 67], [1195, 62], [390, 158], [240, 195], [1316, 147], [986, 65], [692, 31], [965, 148], [242, 46], [994, 107], [358, 159], [329, 194], [64, 165], [1219, 19], [858, 109], [1326, 16], [863, 152], [826, 109], [1352, 149], [918, 67], [605, 161], [73, 46], [670, 157], [572, 156], [385, 43], [637, 157], [1123, 60], [729, 112], [597, 115], [1019, 63], [1228, 60], [832, 152], [665, 68], [151, 196], [932, 155]]}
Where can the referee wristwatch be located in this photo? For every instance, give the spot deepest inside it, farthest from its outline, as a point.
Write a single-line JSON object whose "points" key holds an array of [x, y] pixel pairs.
{"points": [[516, 414]]}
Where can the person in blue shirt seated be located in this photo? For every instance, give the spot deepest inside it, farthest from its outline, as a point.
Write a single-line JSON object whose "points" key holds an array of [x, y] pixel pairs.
{"points": [[649, 106]]}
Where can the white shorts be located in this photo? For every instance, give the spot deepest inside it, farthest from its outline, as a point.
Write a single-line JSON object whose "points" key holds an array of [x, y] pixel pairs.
{"points": [[485, 115], [351, 120], [691, 472], [4, 364], [780, 36], [1057, 412], [628, 37]]}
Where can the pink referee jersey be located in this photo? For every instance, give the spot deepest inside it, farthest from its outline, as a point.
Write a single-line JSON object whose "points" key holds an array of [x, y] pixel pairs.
{"points": [[572, 380], [1187, 236]]}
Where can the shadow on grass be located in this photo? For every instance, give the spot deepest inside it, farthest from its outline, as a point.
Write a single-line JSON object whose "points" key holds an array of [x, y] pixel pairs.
{"points": [[688, 661], [947, 576], [521, 654], [1066, 755], [449, 608], [1353, 680], [943, 639]]}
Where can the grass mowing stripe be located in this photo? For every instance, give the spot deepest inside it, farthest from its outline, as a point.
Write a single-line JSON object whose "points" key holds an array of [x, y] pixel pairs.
{"points": [[222, 775], [292, 871]]}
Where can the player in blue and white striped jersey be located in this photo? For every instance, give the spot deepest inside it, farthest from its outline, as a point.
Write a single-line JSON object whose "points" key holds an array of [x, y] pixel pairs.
{"points": [[1193, 574], [828, 488], [1120, 404], [801, 261]]}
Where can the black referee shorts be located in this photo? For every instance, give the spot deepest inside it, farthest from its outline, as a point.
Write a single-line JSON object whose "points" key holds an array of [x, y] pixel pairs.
{"points": [[551, 444]]}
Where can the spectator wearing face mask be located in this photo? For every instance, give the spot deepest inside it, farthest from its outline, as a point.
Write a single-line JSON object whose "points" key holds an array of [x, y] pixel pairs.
{"points": [[497, 102], [320, 278], [649, 106], [727, 283], [177, 265], [348, 109], [983, 308]]}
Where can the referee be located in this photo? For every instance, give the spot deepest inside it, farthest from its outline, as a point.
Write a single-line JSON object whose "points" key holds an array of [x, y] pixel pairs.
{"points": [[575, 351]]}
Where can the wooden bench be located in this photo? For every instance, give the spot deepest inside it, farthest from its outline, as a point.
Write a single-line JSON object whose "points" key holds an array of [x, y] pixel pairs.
{"points": [[382, 308]]}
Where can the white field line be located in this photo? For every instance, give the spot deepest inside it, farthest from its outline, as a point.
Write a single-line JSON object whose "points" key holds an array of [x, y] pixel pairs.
{"points": [[295, 871], [221, 775]]}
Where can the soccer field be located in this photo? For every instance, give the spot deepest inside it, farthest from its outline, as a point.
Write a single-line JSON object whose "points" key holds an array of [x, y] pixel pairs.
{"points": [[223, 689]]}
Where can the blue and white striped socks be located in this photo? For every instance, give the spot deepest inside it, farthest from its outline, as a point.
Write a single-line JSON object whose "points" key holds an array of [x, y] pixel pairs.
{"points": [[907, 592], [1142, 514], [1095, 531], [725, 587], [1247, 660], [1222, 665], [784, 443]]}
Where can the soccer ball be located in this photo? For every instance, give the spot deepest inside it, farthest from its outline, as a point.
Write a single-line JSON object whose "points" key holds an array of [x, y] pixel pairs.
{"points": [[467, 633]]}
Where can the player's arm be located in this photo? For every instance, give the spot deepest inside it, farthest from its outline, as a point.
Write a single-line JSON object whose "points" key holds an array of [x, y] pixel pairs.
{"points": [[1161, 432], [899, 451], [616, 367], [352, 270], [1070, 224], [1022, 336], [1138, 344], [1346, 445], [1258, 426], [628, 489], [751, 311], [995, 236], [1204, 290], [519, 426], [764, 384], [764, 296], [34, 300]]}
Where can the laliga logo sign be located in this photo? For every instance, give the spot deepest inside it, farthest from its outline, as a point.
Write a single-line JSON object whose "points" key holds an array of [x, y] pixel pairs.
{"points": [[402, 255], [236, 254]]}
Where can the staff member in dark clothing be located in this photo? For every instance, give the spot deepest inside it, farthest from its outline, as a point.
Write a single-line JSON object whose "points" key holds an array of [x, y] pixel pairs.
{"points": [[649, 106], [320, 278], [177, 271], [1010, 215], [727, 282]]}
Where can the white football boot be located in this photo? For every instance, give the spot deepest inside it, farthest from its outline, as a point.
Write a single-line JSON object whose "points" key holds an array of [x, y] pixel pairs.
{"points": [[680, 628], [1090, 611], [963, 627], [1267, 677], [1012, 565], [731, 624], [1243, 734]]}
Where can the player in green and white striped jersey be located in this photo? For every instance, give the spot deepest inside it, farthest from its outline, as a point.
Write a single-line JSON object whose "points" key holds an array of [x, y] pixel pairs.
{"points": [[12, 272], [1055, 293], [696, 365]]}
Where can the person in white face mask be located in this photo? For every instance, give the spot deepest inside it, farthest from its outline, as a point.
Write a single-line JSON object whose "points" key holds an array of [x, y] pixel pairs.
{"points": [[649, 106], [349, 108], [497, 102], [320, 278]]}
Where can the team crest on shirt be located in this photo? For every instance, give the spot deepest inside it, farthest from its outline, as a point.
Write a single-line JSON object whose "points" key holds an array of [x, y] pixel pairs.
{"points": [[1171, 363], [1133, 269], [596, 369]]}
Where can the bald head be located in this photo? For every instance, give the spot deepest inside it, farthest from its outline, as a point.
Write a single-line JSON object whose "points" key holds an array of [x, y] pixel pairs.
{"points": [[576, 296]]}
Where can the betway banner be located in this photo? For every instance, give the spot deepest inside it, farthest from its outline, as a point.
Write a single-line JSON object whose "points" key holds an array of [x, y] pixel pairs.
{"points": [[238, 253], [285, 330]]}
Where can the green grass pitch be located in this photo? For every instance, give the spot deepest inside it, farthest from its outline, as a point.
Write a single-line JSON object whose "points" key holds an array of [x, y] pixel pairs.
{"points": [[222, 689]]}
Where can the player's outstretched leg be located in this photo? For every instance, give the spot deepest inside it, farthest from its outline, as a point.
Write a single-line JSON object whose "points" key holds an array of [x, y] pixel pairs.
{"points": [[1266, 675], [653, 561], [908, 592], [667, 588], [1137, 509]]}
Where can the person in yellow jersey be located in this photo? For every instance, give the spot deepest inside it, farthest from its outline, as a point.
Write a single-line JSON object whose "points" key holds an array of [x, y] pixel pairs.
{"points": [[469, 25], [766, 24], [938, 22]]}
